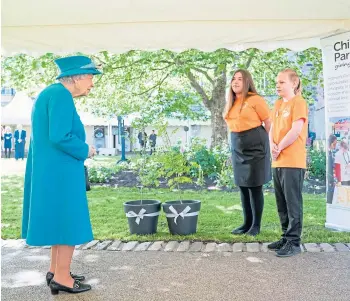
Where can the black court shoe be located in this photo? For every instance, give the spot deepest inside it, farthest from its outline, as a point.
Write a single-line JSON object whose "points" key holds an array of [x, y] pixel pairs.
{"points": [[77, 288], [49, 277]]}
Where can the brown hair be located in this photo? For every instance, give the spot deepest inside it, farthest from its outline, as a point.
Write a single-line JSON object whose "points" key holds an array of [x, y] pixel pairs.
{"points": [[248, 86], [331, 139], [294, 77]]}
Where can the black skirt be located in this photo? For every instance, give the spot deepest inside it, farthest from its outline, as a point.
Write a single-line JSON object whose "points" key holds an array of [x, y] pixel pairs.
{"points": [[251, 157]]}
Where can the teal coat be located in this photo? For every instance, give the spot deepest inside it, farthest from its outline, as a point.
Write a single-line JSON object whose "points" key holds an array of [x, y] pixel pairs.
{"points": [[55, 208]]}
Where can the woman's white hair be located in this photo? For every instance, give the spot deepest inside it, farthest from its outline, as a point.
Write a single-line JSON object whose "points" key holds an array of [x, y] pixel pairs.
{"points": [[71, 79]]}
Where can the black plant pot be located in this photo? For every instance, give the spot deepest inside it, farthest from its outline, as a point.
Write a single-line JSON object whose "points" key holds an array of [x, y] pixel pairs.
{"points": [[182, 216], [142, 216]]}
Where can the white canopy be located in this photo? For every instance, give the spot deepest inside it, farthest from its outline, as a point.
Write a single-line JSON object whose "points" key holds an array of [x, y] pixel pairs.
{"points": [[18, 111], [39, 26]]}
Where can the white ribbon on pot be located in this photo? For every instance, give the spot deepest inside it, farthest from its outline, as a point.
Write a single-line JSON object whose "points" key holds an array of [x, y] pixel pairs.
{"points": [[140, 215], [183, 214]]}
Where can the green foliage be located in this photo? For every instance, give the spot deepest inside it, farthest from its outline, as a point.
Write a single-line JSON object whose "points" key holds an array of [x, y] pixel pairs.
{"points": [[148, 170], [317, 163], [208, 161], [203, 158], [103, 174], [100, 174], [164, 83], [175, 168], [225, 177]]}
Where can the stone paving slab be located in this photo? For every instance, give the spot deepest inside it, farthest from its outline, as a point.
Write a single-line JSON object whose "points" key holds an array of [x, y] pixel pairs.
{"points": [[130, 245], [103, 245], [341, 247], [196, 247], [143, 246], [264, 247], [183, 246], [171, 246], [238, 247], [253, 247], [90, 244], [224, 247], [156, 246], [210, 247], [114, 246], [327, 248], [312, 247]]}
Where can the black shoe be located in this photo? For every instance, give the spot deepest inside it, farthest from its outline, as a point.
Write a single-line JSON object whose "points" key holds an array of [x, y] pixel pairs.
{"points": [[77, 288], [289, 249], [240, 230], [49, 277], [277, 245], [253, 231]]}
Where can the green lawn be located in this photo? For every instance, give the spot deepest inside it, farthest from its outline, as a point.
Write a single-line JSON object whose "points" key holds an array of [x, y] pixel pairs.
{"points": [[109, 221]]}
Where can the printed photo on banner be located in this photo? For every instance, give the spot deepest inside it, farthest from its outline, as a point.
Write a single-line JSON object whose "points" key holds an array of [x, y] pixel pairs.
{"points": [[339, 161]]}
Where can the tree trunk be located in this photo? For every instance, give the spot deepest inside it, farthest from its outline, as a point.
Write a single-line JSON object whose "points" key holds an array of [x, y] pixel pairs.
{"points": [[218, 124], [215, 104]]}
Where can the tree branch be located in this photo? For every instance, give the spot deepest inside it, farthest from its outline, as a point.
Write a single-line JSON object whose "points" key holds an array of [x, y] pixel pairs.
{"points": [[205, 74], [153, 87], [199, 89], [251, 56], [194, 83], [160, 69]]}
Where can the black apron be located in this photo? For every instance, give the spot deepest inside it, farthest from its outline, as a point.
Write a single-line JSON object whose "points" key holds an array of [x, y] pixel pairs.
{"points": [[251, 157]]}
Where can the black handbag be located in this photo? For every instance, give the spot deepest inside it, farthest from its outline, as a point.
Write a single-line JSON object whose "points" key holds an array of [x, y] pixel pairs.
{"points": [[87, 182]]}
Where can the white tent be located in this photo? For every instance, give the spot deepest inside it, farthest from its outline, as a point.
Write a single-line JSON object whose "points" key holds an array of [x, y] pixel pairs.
{"points": [[40, 26], [18, 111]]}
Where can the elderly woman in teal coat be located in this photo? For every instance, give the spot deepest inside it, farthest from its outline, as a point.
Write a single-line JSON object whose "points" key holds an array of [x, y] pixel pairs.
{"points": [[55, 208]]}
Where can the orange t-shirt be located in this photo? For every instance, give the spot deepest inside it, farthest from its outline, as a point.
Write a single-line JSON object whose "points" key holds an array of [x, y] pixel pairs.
{"points": [[283, 116], [254, 111]]}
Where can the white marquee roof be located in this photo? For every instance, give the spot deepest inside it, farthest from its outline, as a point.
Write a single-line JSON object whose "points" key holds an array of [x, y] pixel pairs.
{"points": [[18, 111], [39, 26]]}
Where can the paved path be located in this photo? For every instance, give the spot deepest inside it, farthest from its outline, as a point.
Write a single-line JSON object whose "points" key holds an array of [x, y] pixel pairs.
{"points": [[192, 276], [10, 167]]}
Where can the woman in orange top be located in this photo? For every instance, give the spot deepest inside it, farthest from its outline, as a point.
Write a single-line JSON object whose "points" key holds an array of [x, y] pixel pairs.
{"points": [[245, 112], [288, 144]]}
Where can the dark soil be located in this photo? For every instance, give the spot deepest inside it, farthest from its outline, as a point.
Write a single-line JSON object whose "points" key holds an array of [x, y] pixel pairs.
{"points": [[127, 178]]}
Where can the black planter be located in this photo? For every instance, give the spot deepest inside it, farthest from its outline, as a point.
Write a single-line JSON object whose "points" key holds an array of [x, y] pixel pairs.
{"points": [[182, 216], [142, 216]]}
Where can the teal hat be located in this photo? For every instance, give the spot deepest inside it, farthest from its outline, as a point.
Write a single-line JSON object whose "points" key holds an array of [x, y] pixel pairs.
{"points": [[75, 65]]}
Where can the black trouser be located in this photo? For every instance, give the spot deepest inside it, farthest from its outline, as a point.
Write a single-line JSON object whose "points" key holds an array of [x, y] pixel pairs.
{"points": [[153, 148], [288, 184], [252, 199], [7, 152]]}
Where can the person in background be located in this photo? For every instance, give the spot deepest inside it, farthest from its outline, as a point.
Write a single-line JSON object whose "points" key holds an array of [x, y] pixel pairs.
{"points": [[8, 142], [245, 113], [2, 138], [140, 137], [55, 207], [311, 136], [153, 142], [20, 136], [332, 143], [288, 137], [342, 164]]}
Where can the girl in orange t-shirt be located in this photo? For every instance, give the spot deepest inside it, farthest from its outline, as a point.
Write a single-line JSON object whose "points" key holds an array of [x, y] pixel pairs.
{"points": [[245, 112], [288, 136]]}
